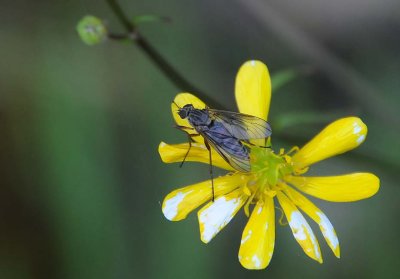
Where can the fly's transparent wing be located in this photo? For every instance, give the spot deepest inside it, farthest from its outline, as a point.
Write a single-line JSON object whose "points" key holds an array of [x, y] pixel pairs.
{"points": [[231, 149], [242, 126]]}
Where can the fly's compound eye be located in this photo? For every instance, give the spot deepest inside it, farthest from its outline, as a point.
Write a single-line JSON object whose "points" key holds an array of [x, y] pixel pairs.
{"points": [[183, 113]]}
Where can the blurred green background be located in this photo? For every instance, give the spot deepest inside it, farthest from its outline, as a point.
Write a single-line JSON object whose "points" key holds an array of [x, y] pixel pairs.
{"points": [[81, 179]]}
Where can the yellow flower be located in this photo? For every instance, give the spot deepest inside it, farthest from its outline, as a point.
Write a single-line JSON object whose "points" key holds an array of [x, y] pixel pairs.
{"points": [[272, 175]]}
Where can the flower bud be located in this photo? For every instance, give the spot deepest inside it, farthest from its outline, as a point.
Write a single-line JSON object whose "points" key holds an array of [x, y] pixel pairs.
{"points": [[91, 30]]}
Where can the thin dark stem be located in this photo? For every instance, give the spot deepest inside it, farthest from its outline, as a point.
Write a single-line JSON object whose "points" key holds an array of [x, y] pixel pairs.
{"points": [[116, 8], [176, 78], [165, 67], [115, 36]]}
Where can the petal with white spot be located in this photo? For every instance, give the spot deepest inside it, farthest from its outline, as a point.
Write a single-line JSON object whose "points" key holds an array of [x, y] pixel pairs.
{"points": [[179, 203], [317, 215], [214, 216], [338, 137], [258, 238], [301, 230]]}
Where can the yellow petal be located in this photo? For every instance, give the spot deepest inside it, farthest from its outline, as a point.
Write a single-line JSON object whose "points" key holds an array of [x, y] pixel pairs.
{"points": [[258, 239], [214, 216], [301, 230], [174, 153], [253, 89], [341, 188], [317, 215], [180, 202], [183, 99], [338, 137]]}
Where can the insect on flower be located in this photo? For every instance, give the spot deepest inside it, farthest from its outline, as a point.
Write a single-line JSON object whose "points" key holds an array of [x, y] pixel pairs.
{"points": [[226, 132], [273, 178]]}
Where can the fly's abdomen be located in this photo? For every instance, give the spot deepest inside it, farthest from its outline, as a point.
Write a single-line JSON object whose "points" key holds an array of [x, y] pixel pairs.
{"points": [[224, 139], [236, 148]]}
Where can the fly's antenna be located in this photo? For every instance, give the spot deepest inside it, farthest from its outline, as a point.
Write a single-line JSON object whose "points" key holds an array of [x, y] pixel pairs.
{"points": [[176, 104]]}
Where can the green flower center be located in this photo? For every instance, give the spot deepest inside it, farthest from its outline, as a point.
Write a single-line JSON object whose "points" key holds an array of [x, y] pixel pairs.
{"points": [[267, 170]]}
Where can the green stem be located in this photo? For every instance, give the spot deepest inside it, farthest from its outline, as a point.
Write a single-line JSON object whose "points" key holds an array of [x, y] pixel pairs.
{"points": [[173, 75]]}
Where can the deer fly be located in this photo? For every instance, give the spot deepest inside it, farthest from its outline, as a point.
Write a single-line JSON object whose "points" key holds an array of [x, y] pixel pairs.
{"points": [[227, 132]]}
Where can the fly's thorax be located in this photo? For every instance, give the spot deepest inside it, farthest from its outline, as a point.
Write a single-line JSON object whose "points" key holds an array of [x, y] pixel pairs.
{"points": [[199, 117]]}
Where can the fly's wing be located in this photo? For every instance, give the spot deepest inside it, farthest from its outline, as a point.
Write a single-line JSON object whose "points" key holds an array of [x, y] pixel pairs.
{"points": [[231, 149], [242, 126]]}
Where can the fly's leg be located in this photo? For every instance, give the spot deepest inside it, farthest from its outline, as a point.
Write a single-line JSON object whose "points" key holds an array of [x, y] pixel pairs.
{"points": [[211, 170], [266, 142], [252, 144], [190, 139], [187, 152], [184, 128]]}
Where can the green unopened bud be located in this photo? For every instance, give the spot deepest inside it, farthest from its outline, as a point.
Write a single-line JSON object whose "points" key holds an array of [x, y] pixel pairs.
{"points": [[91, 30]]}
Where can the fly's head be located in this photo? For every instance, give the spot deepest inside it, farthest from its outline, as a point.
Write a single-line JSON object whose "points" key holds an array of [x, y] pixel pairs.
{"points": [[185, 111]]}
